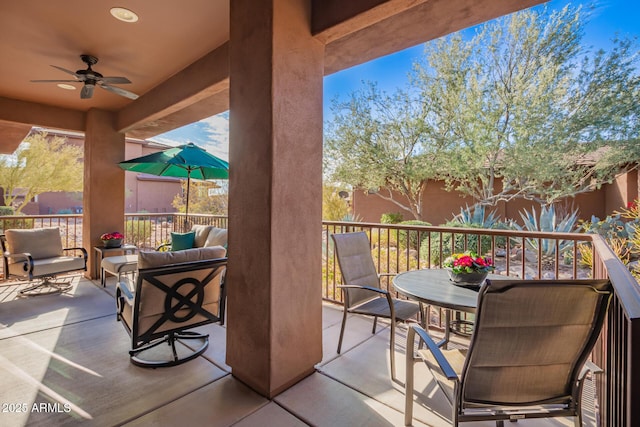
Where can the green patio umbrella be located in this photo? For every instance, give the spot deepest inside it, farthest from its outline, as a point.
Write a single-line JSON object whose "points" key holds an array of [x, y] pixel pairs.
{"points": [[185, 161]]}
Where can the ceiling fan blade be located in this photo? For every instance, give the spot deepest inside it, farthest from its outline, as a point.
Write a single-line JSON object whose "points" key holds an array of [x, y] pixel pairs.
{"points": [[115, 80], [67, 71], [54, 81], [119, 91], [87, 91]]}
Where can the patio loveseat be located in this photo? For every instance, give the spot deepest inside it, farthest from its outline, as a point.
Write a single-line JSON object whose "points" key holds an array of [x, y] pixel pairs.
{"points": [[200, 236]]}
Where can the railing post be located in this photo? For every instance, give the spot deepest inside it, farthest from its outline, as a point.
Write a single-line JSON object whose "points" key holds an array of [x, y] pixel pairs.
{"points": [[633, 356]]}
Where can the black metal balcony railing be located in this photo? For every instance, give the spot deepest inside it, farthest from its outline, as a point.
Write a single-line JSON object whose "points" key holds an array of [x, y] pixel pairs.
{"points": [[397, 248]]}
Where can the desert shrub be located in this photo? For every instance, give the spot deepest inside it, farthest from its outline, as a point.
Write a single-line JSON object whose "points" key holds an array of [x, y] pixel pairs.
{"points": [[6, 211], [486, 242], [136, 231], [613, 226], [17, 222], [390, 261], [391, 218], [385, 238], [412, 235]]}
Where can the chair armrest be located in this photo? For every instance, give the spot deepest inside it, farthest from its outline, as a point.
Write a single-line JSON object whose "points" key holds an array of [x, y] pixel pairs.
{"points": [[387, 274], [366, 288], [19, 256], [83, 250], [588, 367], [442, 361], [125, 291]]}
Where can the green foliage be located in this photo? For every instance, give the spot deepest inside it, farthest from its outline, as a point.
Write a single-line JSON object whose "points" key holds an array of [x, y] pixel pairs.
{"points": [[40, 164], [377, 142], [201, 200], [6, 211], [410, 236], [136, 230], [621, 231], [391, 218], [613, 226], [462, 243], [18, 222], [493, 94]]}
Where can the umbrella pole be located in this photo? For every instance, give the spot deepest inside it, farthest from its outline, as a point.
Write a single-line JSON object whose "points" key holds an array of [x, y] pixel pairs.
{"points": [[186, 217]]}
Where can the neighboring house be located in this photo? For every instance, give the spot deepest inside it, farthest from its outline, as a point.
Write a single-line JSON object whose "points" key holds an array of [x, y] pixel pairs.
{"points": [[143, 193], [440, 206]]}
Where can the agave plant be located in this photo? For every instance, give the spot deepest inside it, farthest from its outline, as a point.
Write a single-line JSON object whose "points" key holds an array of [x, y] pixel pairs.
{"points": [[548, 221], [476, 216]]}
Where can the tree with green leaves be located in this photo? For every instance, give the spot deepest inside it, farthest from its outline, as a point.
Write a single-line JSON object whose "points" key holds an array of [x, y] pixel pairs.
{"points": [[41, 164], [335, 207], [519, 110], [377, 142], [205, 197]]}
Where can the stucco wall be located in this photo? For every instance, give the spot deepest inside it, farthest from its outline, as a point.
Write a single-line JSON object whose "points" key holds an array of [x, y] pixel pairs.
{"points": [[440, 206]]}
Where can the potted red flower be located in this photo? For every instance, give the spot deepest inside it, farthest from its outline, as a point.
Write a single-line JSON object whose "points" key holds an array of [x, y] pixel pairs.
{"points": [[112, 240], [468, 267]]}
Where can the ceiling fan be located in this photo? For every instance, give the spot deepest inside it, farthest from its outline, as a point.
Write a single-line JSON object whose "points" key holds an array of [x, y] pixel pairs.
{"points": [[92, 79]]}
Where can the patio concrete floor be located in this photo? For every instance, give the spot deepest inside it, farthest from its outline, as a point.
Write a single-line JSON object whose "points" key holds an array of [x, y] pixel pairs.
{"points": [[64, 361]]}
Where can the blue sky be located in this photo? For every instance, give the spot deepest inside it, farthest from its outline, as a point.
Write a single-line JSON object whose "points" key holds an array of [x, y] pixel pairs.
{"points": [[609, 18]]}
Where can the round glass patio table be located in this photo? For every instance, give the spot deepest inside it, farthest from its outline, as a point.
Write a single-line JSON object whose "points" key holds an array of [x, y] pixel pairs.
{"points": [[432, 286]]}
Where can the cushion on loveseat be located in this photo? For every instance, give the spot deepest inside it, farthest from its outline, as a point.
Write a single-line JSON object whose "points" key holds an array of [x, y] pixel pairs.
{"points": [[201, 232], [181, 241], [157, 259], [216, 237]]}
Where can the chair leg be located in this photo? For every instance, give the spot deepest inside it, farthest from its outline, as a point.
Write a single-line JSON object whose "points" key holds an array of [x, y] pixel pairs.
{"points": [[45, 287], [375, 322], [392, 349], [344, 322], [408, 384]]}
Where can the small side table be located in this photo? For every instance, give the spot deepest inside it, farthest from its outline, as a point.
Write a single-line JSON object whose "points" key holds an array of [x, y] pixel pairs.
{"points": [[102, 252]]}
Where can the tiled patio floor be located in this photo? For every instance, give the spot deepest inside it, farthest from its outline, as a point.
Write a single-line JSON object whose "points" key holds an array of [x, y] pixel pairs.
{"points": [[64, 361]]}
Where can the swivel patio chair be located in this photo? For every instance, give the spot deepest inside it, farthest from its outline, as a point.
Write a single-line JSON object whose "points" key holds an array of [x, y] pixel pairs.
{"points": [[528, 353], [362, 292], [38, 254], [173, 292]]}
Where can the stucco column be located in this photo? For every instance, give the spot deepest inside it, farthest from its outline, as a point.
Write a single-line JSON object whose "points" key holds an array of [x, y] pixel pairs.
{"points": [[103, 195], [274, 324]]}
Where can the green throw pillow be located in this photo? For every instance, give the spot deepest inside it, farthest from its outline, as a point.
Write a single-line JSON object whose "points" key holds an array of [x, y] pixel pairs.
{"points": [[180, 241]]}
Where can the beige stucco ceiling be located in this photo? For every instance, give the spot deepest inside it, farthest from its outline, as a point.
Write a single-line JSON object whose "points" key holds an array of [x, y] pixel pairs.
{"points": [[169, 35], [176, 55]]}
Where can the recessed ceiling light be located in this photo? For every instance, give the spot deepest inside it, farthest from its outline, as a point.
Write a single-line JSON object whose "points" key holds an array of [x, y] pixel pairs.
{"points": [[124, 15], [65, 86]]}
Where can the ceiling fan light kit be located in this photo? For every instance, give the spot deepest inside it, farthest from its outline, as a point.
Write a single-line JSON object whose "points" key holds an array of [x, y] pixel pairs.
{"points": [[91, 79]]}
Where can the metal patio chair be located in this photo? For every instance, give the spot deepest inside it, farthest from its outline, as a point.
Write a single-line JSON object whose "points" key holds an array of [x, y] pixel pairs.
{"points": [[173, 292], [362, 292], [528, 353]]}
